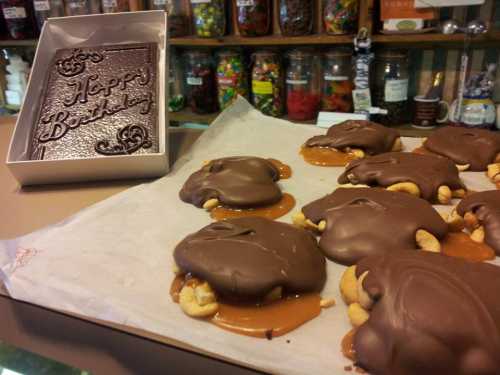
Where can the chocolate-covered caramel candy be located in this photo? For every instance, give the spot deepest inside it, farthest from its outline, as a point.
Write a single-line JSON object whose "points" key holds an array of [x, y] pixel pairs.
{"points": [[239, 182], [246, 258], [367, 136], [432, 178], [481, 212], [430, 314], [476, 148], [363, 221]]}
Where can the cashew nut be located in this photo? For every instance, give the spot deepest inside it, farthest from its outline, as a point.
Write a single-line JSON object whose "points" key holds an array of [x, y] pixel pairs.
{"points": [[211, 204], [462, 167], [494, 172], [346, 186], [176, 269], [459, 193], [357, 315], [352, 178], [398, 145], [358, 153], [455, 221], [322, 225], [444, 194], [349, 285], [364, 299], [198, 302], [275, 294], [406, 187], [471, 221], [426, 241], [299, 219], [478, 235], [325, 303]]}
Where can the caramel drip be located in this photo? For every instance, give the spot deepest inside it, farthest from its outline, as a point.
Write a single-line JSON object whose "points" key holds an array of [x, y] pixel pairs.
{"points": [[179, 282], [423, 151], [285, 170], [498, 185], [460, 245], [272, 212], [326, 157], [347, 345], [268, 321]]}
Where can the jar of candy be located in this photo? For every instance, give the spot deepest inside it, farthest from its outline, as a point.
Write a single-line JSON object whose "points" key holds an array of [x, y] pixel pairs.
{"points": [[302, 91], [47, 8], [200, 82], [267, 83], [296, 17], [18, 17], [115, 6], [340, 16], [337, 81], [178, 21], [209, 18], [80, 7], [231, 78], [253, 16], [390, 86], [176, 100]]}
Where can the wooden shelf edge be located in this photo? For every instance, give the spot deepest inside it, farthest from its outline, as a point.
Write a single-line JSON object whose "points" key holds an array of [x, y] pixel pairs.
{"points": [[493, 36], [18, 43]]}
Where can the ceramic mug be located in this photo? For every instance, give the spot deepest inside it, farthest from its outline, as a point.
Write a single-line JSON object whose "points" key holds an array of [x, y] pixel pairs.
{"points": [[427, 111]]}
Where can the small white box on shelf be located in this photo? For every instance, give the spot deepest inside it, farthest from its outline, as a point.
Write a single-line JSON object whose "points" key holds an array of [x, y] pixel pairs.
{"points": [[80, 32]]}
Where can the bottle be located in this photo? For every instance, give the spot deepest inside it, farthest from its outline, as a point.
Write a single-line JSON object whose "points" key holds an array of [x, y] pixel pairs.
{"points": [[436, 88], [18, 17], [47, 8], [337, 81], [232, 78], [267, 83], [115, 6], [253, 16], [200, 82]]}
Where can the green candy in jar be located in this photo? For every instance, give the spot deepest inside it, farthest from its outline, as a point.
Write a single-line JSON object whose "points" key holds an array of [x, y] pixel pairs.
{"points": [[267, 84], [231, 78], [209, 18]]}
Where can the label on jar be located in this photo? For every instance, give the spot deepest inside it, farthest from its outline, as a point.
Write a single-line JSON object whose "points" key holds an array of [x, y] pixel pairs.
{"points": [[109, 3], [296, 81], [160, 2], [396, 90], [336, 78], [245, 3], [41, 5], [362, 100], [14, 12], [262, 87], [200, 1], [195, 81], [77, 4], [226, 81]]}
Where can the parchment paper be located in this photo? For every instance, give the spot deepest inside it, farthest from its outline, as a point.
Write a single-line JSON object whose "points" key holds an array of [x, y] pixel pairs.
{"points": [[113, 261]]}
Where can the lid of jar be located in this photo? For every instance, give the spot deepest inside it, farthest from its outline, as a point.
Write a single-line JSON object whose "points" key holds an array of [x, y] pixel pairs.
{"points": [[197, 53], [392, 54], [340, 52], [298, 54], [264, 53], [230, 52]]}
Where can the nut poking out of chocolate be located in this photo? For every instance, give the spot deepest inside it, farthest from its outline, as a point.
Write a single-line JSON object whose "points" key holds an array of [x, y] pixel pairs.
{"points": [[475, 147], [432, 314], [362, 222], [485, 206], [238, 182], [368, 136], [425, 174], [246, 258]]}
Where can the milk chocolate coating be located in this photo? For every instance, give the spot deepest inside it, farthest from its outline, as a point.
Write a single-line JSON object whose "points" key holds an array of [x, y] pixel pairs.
{"points": [[246, 258], [433, 315], [486, 206], [362, 222], [240, 181], [368, 136], [98, 102], [426, 171], [477, 147]]}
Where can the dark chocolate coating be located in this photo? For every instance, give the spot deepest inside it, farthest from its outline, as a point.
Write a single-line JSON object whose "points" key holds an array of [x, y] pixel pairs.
{"points": [[246, 258], [433, 315], [486, 206], [426, 171], [368, 136], [371, 221], [240, 181], [477, 147], [98, 102]]}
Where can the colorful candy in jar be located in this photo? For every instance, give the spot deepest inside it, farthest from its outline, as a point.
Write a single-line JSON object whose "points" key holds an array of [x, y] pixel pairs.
{"points": [[253, 16], [231, 78], [337, 81], [267, 84], [340, 16], [209, 18]]}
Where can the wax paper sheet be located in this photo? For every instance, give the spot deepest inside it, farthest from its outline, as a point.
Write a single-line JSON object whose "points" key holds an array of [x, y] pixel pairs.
{"points": [[113, 261]]}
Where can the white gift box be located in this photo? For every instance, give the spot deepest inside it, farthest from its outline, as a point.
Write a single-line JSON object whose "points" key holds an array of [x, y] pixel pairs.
{"points": [[90, 31]]}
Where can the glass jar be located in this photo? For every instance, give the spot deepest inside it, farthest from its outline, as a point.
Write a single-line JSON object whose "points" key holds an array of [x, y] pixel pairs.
{"points": [[302, 92], [337, 81], [115, 6], [231, 78], [209, 18], [390, 86], [296, 17], [200, 82], [340, 16], [17, 15], [178, 21], [253, 16], [82, 7], [267, 83], [47, 8], [176, 99]]}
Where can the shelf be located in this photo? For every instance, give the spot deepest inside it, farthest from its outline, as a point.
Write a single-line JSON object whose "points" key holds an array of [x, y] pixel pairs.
{"points": [[18, 43], [273, 40], [416, 40]]}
